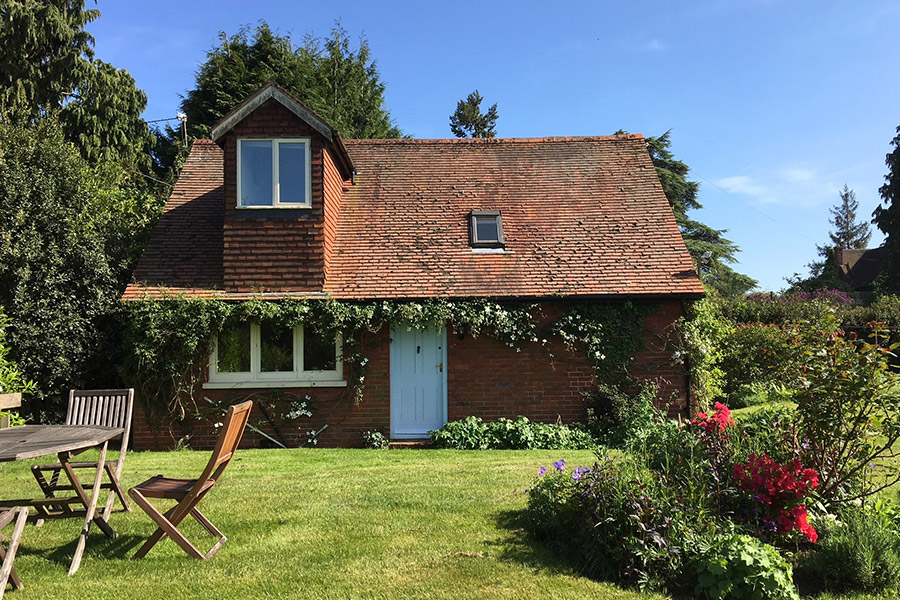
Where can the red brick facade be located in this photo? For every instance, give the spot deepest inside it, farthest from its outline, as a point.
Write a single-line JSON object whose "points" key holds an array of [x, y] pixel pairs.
{"points": [[485, 378]]}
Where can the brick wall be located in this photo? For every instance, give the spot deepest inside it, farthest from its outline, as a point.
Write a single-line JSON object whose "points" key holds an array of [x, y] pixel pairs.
{"points": [[485, 378], [333, 190], [655, 360], [281, 250]]}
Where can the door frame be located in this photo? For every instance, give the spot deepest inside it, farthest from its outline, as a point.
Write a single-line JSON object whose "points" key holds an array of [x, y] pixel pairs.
{"points": [[441, 339]]}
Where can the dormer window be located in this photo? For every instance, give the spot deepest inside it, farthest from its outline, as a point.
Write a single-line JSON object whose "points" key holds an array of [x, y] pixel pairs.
{"points": [[485, 229], [273, 173]]}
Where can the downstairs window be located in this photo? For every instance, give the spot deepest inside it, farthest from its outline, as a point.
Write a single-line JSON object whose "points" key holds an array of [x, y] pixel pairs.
{"points": [[261, 353]]}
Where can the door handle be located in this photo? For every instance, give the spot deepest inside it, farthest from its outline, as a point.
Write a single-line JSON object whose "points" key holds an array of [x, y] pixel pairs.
{"points": [[441, 367]]}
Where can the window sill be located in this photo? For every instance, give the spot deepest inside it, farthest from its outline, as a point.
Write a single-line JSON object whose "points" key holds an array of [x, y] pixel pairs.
{"points": [[491, 251], [293, 383]]}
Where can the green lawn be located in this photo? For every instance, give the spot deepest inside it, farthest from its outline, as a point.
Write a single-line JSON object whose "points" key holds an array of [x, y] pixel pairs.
{"points": [[322, 524], [348, 524]]}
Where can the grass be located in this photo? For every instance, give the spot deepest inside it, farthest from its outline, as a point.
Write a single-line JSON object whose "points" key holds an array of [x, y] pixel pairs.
{"points": [[348, 524], [322, 524]]}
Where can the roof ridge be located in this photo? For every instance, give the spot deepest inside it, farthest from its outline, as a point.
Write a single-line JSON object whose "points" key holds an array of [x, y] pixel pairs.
{"points": [[488, 141]]}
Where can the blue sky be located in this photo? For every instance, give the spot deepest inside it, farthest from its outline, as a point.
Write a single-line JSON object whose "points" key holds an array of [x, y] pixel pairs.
{"points": [[774, 104]]}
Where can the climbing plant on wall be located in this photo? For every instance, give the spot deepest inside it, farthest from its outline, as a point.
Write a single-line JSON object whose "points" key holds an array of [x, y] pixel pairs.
{"points": [[169, 341]]}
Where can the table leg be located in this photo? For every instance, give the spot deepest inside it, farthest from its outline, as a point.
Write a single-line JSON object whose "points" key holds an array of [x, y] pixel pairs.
{"points": [[90, 504]]}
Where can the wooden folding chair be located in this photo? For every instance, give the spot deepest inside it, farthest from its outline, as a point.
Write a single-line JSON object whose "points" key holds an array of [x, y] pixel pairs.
{"points": [[7, 572], [106, 408], [189, 492]]}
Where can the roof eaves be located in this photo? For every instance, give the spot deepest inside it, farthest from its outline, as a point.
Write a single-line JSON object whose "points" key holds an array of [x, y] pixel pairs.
{"points": [[271, 91]]}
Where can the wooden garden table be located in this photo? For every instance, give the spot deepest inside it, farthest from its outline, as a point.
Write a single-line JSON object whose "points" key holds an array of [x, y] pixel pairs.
{"points": [[66, 441]]}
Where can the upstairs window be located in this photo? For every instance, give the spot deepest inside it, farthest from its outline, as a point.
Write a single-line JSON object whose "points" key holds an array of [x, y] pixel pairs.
{"points": [[485, 229], [273, 173]]}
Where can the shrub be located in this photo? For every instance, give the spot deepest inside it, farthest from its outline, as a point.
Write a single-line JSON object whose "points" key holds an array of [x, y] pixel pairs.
{"points": [[466, 434], [767, 430], [859, 552], [755, 355], [702, 336], [634, 417], [635, 526], [551, 514], [472, 433], [11, 378], [848, 411], [375, 440], [743, 568]]}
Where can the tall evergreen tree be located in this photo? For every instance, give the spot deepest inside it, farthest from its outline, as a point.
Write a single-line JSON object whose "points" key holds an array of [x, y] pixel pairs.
{"points": [[887, 217], [711, 251], [47, 65], [469, 121], [339, 83], [848, 232]]}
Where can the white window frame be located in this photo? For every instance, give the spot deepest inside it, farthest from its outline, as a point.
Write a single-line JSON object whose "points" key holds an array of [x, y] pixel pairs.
{"points": [[276, 192], [256, 378]]}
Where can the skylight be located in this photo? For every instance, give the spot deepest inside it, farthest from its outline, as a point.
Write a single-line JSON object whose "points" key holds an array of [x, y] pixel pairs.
{"points": [[485, 229]]}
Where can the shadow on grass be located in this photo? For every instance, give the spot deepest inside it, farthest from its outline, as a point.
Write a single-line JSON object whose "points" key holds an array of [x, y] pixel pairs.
{"points": [[520, 547], [98, 547]]}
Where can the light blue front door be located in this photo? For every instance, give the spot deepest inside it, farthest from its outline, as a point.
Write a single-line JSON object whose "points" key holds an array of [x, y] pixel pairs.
{"points": [[418, 381]]}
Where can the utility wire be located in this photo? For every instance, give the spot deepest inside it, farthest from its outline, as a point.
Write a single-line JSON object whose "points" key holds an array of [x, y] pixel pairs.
{"points": [[751, 207]]}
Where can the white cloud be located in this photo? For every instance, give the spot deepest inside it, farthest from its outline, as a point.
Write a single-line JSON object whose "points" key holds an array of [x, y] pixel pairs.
{"points": [[654, 45], [792, 186], [742, 184], [799, 174]]}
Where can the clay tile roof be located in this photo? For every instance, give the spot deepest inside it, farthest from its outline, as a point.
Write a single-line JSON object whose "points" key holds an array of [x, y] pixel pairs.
{"points": [[581, 217], [184, 254]]}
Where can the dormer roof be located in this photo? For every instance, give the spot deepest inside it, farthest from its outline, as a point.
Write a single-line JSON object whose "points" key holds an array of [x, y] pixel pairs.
{"points": [[273, 91]]}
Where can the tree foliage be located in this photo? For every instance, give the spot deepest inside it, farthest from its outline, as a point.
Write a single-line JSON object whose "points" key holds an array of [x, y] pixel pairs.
{"points": [[848, 233], [710, 250], [69, 234], [469, 121], [47, 65], [339, 83], [887, 216]]}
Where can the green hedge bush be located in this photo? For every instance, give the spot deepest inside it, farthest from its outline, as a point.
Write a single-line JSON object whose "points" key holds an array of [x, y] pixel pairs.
{"points": [[520, 433]]}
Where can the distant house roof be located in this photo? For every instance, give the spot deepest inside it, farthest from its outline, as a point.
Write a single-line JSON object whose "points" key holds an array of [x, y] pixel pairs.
{"points": [[860, 267], [582, 217]]}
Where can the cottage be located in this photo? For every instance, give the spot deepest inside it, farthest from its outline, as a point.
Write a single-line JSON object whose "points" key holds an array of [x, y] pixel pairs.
{"points": [[277, 206]]}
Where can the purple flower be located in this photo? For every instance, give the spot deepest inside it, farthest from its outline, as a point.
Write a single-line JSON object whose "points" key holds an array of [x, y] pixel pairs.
{"points": [[579, 471], [542, 471], [560, 465]]}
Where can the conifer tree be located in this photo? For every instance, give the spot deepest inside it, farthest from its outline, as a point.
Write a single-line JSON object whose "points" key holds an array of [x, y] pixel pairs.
{"points": [[338, 82], [47, 66], [848, 232], [887, 218], [469, 121]]}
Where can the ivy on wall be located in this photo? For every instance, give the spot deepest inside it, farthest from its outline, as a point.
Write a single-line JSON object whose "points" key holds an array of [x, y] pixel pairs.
{"points": [[609, 335], [168, 342]]}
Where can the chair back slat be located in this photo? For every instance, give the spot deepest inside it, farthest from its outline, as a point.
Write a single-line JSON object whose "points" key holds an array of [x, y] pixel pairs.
{"points": [[229, 439], [106, 408]]}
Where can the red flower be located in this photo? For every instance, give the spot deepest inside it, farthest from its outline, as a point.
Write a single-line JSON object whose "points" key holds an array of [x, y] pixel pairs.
{"points": [[779, 488]]}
